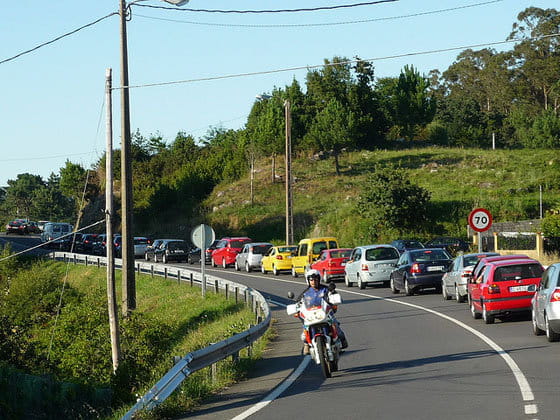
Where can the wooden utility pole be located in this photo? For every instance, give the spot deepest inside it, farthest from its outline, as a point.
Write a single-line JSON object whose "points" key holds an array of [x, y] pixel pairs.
{"points": [[289, 204], [111, 292]]}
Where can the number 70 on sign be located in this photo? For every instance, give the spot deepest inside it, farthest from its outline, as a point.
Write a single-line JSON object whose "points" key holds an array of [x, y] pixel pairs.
{"points": [[480, 220]]}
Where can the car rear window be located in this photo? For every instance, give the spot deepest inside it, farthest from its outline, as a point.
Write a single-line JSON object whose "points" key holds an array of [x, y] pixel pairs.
{"points": [[140, 241], [177, 245], [319, 246], [341, 254], [260, 249], [380, 254], [431, 255], [517, 272], [287, 249]]}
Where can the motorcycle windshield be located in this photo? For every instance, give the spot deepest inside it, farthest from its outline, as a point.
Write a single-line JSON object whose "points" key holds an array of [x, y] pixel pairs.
{"points": [[314, 301]]}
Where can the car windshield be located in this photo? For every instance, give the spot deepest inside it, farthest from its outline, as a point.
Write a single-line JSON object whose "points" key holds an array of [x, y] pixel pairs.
{"points": [[260, 249], [412, 244], [341, 253], [430, 255], [319, 246], [237, 244], [473, 259], [380, 254], [518, 272], [177, 245]]}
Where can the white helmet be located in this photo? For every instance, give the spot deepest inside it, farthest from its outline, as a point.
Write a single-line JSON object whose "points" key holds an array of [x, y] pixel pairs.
{"points": [[312, 275]]}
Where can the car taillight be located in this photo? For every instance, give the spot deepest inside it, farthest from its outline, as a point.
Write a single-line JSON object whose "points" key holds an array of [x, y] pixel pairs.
{"points": [[279, 257], [466, 274], [415, 269], [365, 267], [555, 297], [493, 289]]}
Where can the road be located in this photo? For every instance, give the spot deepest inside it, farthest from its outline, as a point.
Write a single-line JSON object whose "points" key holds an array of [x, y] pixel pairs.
{"points": [[414, 357], [410, 357]]}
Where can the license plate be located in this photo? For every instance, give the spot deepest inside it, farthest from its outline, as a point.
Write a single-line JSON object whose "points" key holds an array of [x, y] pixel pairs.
{"points": [[435, 268], [528, 288]]}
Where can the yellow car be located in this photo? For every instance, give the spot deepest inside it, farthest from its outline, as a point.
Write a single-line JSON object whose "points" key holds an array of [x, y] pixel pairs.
{"points": [[278, 258]]}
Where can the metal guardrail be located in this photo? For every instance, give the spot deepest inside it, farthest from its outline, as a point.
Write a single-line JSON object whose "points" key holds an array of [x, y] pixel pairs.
{"points": [[198, 359]]}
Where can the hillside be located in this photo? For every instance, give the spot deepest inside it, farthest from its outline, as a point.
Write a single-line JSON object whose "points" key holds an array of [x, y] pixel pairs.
{"points": [[504, 181]]}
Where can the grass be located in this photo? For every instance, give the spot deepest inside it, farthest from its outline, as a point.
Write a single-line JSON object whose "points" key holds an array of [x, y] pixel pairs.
{"points": [[504, 181]]}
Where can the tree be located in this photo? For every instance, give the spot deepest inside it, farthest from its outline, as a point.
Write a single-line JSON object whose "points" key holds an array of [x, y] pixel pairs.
{"points": [[391, 203], [76, 183], [21, 192]]}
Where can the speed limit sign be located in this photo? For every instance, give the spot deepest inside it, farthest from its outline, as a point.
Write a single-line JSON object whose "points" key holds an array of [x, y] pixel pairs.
{"points": [[480, 220]]}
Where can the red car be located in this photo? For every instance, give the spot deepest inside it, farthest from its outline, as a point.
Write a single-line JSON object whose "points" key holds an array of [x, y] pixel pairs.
{"points": [[226, 251], [504, 287], [331, 263], [17, 226]]}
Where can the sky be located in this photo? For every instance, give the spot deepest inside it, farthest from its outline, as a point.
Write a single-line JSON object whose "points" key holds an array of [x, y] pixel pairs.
{"points": [[52, 100]]}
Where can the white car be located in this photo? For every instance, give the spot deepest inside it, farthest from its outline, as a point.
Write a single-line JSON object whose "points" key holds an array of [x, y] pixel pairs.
{"points": [[141, 243], [545, 305], [251, 255], [370, 264]]}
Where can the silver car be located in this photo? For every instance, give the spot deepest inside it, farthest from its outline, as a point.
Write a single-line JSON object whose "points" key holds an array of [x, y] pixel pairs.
{"points": [[454, 281], [545, 305], [370, 264], [251, 255]]}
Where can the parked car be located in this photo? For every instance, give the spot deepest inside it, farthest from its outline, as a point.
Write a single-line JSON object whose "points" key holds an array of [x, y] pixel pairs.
{"points": [[226, 251], [420, 269], [209, 250], [99, 246], [479, 266], [406, 244], [545, 304], [451, 244], [455, 280], [171, 250], [84, 243], [150, 249], [251, 255], [504, 287], [370, 264], [308, 251], [117, 245], [331, 263], [33, 227], [278, 258], [73, 243], [140, 245], [16, 226], [194, 255]]}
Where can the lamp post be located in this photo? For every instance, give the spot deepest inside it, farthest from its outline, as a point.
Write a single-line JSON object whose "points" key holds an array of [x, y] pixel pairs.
{"points": [[128, 280]]}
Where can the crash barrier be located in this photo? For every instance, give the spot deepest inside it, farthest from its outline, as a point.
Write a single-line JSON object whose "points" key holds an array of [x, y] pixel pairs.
{"points": [[198, 359]]}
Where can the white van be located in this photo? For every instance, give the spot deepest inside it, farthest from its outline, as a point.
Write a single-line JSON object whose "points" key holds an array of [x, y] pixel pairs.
{"points": [[53, 230]]}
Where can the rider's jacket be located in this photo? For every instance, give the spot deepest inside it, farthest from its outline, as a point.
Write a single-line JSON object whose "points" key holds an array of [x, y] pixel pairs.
{"points": [[313, 297]]}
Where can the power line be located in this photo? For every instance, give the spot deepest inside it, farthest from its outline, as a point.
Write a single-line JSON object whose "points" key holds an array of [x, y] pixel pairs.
{"points": [[311, 9], [307, 67], [303, 25], [44, 157], [57, 38]]}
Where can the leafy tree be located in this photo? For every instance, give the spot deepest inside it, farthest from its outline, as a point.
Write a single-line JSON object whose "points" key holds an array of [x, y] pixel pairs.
{"points": [[79, 185], [392, 204], [21, 191]]}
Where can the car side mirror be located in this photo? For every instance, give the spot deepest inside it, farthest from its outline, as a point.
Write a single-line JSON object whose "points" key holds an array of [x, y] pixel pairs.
{"points": [[291, 295]]}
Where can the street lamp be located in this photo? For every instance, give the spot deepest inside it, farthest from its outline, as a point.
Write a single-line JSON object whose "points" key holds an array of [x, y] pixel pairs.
{"points": [[128, 280]]}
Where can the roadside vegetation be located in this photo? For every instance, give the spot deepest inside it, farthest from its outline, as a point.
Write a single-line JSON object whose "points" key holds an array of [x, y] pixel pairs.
{"points": [[55, 351]]}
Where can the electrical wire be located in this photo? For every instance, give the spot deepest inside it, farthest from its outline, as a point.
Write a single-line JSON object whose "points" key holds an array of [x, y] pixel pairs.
{"points": [[307, 25], [307, 67], [57, 38], [311, 9]]}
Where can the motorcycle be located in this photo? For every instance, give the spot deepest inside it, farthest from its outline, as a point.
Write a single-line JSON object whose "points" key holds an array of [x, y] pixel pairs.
{"points": [[321, 330]]}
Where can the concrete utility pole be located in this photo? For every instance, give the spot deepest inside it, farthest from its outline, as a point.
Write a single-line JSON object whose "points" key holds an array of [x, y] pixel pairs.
{"points": [[289, 204], [111, 292], [128, 279]]}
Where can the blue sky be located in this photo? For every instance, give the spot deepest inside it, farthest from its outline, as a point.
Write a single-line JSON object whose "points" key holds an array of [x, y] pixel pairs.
{"points": [[52, 100]]}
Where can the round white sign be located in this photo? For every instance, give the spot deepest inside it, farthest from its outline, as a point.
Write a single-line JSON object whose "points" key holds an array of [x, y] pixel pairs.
{"points": [[203, 236]]}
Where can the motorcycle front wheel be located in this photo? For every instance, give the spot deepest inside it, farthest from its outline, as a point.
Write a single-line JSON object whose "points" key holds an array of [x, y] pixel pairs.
{"points": [[323, 358]]}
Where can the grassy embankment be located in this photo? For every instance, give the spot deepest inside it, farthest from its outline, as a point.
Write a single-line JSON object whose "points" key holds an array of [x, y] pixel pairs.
{"points": [[504, 181], [171, 320]]}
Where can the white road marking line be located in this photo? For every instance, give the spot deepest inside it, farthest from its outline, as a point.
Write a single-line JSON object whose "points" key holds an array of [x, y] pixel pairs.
{"points": [[522, 383]]}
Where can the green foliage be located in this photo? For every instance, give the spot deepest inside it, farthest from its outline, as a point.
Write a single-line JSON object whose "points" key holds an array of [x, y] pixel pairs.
{"points": [[392, 204], [551, 225]]}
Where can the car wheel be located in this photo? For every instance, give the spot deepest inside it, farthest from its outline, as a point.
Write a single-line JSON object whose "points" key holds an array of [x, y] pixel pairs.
{"points": [[458, 297], [392, 286], [164, 259], [444, 293], [146, 257], [247, 267], [550, 335], [213, 263], [488, 319], [536, 329], [236, 266], [474, 313], [294, 274], [347, 281], [262, 269], [407, 289], [224, 265], [361, 284], [275, 270]]}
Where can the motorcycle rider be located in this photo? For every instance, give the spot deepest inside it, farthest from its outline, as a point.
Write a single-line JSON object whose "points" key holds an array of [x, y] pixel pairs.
{"points": [[313, 294]]}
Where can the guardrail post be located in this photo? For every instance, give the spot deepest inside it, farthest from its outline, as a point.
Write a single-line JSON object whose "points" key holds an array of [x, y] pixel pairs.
{"points": [[86, 261], [191, 279], [138, 268], [235, 357], [214, 370], [165, 273], [152, 270], [227, 291], [236, 294], [178, 276], [98, 262], [75, 261], [216, 288]]}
